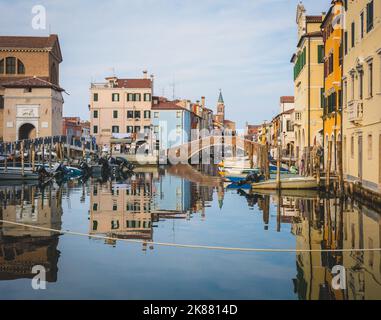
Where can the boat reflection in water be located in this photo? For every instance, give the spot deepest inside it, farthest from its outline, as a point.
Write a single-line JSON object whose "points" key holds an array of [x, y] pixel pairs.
{"points": [[22, 248]]}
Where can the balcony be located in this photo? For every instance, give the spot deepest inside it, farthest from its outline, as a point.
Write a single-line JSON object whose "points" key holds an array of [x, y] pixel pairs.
{"points": [[355, 111]]}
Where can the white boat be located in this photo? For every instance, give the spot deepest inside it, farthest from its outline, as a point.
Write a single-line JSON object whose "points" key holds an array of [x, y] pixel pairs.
{"points": [[298, 183]]}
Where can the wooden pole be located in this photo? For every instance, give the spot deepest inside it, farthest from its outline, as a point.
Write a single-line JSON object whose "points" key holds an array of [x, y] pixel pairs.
{"points": [[340, 166], [33, 153], [328, 169], [278, 168], [6, 160], [50, 153], [267, 164], [22, 158], [14, 154], [317, 159], [43, 153]]}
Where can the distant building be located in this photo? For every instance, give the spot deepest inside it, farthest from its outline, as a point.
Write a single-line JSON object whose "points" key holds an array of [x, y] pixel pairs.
{"points": [[120, 106], [308, 82], [171, 123], [76, 129], [31, 99], [251, 132]]}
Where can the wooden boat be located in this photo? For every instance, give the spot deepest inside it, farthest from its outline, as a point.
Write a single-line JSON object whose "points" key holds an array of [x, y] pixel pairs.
{"points": [[298, 183], [16, 174]]}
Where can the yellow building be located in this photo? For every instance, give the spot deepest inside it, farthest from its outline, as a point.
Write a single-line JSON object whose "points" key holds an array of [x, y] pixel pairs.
{"points": [[362, 93], [333, 60], [308, 82]]}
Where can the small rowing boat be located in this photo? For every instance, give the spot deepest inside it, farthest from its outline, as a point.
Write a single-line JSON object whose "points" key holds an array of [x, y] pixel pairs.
{"points": [[298, 183]]}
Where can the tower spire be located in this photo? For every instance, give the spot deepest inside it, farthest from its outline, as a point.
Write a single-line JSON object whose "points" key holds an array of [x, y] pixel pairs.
{"points": [[220, 98]]}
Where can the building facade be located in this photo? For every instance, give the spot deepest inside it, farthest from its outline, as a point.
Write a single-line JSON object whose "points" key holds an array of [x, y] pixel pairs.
{"points": [[308, 83], [333, 61], [31, 101], [362, 93], [120, 106]]}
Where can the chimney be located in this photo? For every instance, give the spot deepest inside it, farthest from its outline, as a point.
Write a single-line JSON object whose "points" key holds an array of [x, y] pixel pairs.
{"points": [[152, 78], [203, 102], [145, 74]]}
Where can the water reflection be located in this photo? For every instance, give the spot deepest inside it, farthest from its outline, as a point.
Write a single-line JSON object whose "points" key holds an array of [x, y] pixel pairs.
{"points": [[146, 206], [22, 248]]}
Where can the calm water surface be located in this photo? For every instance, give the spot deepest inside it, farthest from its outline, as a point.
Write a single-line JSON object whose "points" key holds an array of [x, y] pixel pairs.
{"points": [[181, 205]]}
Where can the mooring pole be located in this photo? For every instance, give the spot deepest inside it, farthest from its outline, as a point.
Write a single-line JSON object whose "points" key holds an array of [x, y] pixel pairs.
{"points": [[328, 169], [33, 155], [22, 158], [278, 167], [50, 153]]}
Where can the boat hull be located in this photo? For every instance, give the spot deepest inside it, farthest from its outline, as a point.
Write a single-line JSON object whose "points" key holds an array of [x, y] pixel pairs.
{"points": [[287, 184]]}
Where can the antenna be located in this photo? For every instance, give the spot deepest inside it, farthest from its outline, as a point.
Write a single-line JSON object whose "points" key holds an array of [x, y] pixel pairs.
{"points": [[173, 89]]}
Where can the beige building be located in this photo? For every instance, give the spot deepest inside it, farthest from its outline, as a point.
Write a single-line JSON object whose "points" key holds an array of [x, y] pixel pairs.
{"points": [[362, 93], [121, 107], [308, 82], [31, 99]]}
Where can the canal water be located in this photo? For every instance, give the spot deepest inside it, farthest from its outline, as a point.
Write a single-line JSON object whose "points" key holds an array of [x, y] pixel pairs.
{"points": [[182, 206]]}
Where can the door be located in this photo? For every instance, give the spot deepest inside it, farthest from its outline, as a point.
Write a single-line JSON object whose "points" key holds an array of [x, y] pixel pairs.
{"points": [[360, 161]]}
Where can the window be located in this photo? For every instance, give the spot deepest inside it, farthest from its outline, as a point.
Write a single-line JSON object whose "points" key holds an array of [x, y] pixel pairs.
{"points": [[10, 65], [156, 114], [300, 63], [1, 102], [20, 67], [156, 129], [130, 114], [345, 5], [115, 129], [130, 129], [114, 223], [370, 79], [370, 147], [346, 42], [95, 206], [178, 114], [147, 97], [147, 129], [95, 129], [137, 129], [95, 96], [1, 66], [353, 35], [362, 25], [322, 98], [137, 114], [361, 84], [147, 114], [130, 97], [320, 54], [345, 92], [352, 87], [115, 114], [95, 114], [137, 97], [115, 97], [289, 126], [352, 147], [369, 16]]}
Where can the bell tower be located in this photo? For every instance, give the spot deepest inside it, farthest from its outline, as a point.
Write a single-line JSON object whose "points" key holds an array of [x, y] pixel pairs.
{"points": [[220, 108]]}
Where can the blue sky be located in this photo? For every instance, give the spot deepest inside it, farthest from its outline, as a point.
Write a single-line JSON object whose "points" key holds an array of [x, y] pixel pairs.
{"points": [[243, 47]]}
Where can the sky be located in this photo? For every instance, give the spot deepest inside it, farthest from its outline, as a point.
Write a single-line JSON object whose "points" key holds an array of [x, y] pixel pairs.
{"points": [[193, 48]]}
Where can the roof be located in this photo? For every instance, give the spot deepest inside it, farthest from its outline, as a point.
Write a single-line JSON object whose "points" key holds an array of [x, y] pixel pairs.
{"points": [[314, 19], [27, 42], [287, 99], [134, 83], [220, 98], [314, 34], [28, 82], [167, 105]]}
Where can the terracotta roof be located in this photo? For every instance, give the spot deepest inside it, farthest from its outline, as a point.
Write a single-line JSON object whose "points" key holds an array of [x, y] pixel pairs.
{"points": [[28, 42], [314, 19], [29, 82], [134, 83], [287, 99], [309, 35], [228, 121], [167, 105]]}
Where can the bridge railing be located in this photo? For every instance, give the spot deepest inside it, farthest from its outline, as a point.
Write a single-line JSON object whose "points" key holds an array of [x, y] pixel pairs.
{"points": [[10, 147]]}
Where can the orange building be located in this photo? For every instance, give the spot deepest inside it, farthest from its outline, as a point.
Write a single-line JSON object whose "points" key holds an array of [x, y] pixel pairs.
{"points": [[333, 61]]}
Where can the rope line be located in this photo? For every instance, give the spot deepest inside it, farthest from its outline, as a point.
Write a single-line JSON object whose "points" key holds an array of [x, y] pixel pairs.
{"points": [[188, 246]]}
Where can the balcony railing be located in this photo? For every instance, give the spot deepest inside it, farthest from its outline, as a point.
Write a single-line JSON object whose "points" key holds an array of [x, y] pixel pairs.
{"points": [[355, 111]]}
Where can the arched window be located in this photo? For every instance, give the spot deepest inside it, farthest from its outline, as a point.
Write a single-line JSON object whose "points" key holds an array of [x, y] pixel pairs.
{"points": [[1, 66], [20, 67], [10, 65]]}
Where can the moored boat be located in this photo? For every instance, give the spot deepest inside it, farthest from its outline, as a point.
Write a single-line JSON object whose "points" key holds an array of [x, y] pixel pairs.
{"points": [[298, 183]]}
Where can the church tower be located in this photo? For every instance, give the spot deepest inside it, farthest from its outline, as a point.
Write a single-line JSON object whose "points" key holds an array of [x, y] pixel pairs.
{"points": [[220, 109]]}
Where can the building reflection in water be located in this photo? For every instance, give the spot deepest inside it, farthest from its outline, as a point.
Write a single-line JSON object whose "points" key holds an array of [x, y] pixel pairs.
{"points": [[131, 210], [21, 248]]}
